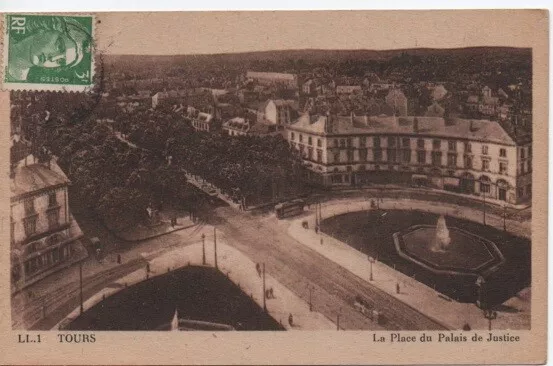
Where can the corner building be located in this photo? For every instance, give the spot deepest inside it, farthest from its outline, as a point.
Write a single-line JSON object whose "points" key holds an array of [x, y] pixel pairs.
{"points": [[474, 157]]}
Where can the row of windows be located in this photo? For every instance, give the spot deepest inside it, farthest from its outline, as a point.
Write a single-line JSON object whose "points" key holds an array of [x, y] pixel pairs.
{"points": [[436, 158], [29, 204], [404, 142], [29, 222]]}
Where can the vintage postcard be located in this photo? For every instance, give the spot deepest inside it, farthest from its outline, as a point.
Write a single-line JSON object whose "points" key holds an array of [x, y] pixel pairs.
{"points": [[332, 187]]}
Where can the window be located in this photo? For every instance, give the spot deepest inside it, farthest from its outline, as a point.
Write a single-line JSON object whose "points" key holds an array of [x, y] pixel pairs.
{"points": [[520, 192], [53, 218], [301, 137], [391, 141], [336, 157], [362, 141], [436, 158], [377, 154], [522, 153], [377, 167], [376, 141], [310, 153], [405, 142], [336, 143], [502, 167], [350, 155], [336, 178], [319, 156], [29, 206], [392, 155], [529, 189], [342, 142], [485, 185], [503, 153], [30, 225], [309, 141], [420, 143], [530, 151], [406, 156], [52, 199], [452, 145], [436, 144], [363, 154], [319, 143], [468, 147], [485, 165], [468, 162], [484, 149], [349, 168], [348, 142], [421, 157], [452, 160]]}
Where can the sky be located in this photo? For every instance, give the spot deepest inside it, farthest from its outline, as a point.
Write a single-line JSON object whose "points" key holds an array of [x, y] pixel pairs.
{"points": [[166, 33]]}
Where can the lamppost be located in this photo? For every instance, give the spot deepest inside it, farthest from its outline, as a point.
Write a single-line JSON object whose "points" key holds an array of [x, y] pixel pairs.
{"points": [[310, 288], [480, 281], [505, 217], [215, 245], [490, 315], [203, 249], [371, 261], [484, 206], [264, 293], [81, 285]]}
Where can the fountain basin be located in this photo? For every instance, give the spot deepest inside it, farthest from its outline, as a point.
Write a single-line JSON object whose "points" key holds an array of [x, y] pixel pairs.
{"points": [[467, 254]]}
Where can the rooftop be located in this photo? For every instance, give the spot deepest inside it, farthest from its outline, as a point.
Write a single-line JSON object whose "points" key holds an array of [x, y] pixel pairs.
{"points": [[35, 177], [483, 130]]}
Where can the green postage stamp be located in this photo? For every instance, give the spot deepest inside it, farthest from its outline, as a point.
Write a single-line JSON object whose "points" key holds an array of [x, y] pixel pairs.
{"points": [[48, 52]]}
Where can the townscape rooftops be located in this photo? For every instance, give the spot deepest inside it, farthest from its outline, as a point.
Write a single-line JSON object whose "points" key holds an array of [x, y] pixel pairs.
{"points": [[482, 130], [36, 177], [270, 75]]}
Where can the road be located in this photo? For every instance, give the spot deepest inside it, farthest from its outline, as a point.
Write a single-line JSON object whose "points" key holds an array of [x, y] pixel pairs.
{"points": [[298, 267]]}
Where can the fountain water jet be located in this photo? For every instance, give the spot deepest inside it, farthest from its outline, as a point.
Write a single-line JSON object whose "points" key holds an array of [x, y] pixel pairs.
{"points": [[442, 239]]}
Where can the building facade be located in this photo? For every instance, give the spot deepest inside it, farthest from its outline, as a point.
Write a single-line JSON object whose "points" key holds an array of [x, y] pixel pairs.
{"points": [[44, 236], [474, 157]]}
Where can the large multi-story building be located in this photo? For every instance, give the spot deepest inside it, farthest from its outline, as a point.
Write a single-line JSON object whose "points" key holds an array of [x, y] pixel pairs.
{"points": [[468, 156], [274, 78], [44, 236]]}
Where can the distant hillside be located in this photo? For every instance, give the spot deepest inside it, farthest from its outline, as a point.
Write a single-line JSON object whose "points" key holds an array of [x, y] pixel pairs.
{"points": [[315, 55]]}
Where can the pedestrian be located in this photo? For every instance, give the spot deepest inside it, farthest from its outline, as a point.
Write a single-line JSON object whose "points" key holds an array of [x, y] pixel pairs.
{"points": [[321, 241], [397, 288], [291, 320], [118, 258], [148, 267], [258, 268], [316, 229], [267, 294], [271, 293]]}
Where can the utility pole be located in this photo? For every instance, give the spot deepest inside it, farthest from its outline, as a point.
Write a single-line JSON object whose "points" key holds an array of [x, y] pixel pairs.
{"points": [[264, 293], [203, 249], [310, 297], [484, 196], [504, 218], [81, 284], [215, 245]]}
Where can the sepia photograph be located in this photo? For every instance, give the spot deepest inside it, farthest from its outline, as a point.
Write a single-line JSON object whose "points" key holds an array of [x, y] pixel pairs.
{"points": [[178, 181]]}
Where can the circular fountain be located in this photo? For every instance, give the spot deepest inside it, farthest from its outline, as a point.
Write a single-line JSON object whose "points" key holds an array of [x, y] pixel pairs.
{"points": [[446, 250]]}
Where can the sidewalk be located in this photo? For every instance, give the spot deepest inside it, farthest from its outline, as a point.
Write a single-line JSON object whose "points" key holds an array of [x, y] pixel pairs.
{"points": [[238, 268], [417, 295]]}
